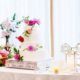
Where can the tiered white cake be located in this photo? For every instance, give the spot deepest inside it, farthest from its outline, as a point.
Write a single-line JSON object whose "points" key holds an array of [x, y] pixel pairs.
{"points": [[33, 40]]}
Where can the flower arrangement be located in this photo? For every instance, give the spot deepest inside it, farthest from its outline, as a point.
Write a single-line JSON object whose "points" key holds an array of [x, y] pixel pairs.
{"points": [[4, 55], [9, 26]]}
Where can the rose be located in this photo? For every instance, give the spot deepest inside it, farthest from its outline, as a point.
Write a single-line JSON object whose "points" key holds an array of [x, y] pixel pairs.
{"points": [[4, 53], [20, 38]]}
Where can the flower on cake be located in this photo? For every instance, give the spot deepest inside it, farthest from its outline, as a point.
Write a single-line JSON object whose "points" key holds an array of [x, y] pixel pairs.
{"points": [[20, 38], [32, 48], [30, 25], [31, 22]]}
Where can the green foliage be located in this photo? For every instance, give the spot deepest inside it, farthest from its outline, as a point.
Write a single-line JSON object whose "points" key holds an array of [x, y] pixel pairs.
{"points": [[21, 58], [14, 17], [0, 61], [10, 56]]}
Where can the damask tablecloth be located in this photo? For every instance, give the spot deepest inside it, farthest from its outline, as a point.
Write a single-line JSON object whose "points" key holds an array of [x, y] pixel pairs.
{"points": [[16, 74]]}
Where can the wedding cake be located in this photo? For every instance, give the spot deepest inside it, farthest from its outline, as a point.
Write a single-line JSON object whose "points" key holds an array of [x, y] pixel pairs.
{"points": [[31, 47]]}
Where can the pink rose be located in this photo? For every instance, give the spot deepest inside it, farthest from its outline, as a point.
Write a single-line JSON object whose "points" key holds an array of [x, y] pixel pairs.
{"points": [[4, 52]]}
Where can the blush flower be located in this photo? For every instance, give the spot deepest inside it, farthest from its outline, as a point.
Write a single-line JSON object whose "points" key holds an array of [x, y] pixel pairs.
{"points": [[6, 24], [5, 33], [26, 21]]}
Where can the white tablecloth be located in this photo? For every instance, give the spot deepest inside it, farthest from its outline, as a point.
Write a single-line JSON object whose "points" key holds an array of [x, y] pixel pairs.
{"points": [[17, 74]]}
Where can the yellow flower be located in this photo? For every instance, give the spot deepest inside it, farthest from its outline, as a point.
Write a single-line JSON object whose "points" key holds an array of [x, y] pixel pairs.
{"points": [[55, 70]]}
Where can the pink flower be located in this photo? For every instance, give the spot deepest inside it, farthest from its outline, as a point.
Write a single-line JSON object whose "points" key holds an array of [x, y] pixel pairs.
{"points": [[17, 57], [5, 33], [30, 48], [4, 52], [37, 21], [26, 21], [31, 23]]}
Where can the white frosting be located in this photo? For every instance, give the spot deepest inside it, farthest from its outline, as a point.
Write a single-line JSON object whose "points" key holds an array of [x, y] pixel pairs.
{"points": [[34, 40]]}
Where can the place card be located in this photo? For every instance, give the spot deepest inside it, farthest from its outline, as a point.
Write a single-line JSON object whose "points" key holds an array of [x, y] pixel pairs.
{"points": [[29, 65]]}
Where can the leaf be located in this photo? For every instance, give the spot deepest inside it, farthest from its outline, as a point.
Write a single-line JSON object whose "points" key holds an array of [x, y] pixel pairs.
{"points": [[15, 50], [10, 56], [18, 23], [0, 61], [21, 58], [14, 16], [27, 17], [18, 51]]}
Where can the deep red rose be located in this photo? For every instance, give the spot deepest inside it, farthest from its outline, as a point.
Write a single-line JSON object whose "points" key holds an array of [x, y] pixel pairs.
{"points": [[20, 38]]}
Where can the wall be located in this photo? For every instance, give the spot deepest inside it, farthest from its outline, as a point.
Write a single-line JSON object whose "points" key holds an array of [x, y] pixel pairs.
{"points": [[66, 24]]}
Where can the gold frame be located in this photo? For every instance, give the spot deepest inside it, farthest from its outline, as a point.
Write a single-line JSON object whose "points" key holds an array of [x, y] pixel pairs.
{"points": [[51, 28]]}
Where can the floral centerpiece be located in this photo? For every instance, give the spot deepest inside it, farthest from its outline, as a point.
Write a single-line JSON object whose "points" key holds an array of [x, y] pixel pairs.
{"points": [[9, 26], [4, 55]]}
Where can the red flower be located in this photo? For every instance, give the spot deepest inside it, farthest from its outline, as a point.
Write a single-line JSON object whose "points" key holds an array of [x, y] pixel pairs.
{"points": [[4, 55], [20, 38]]}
